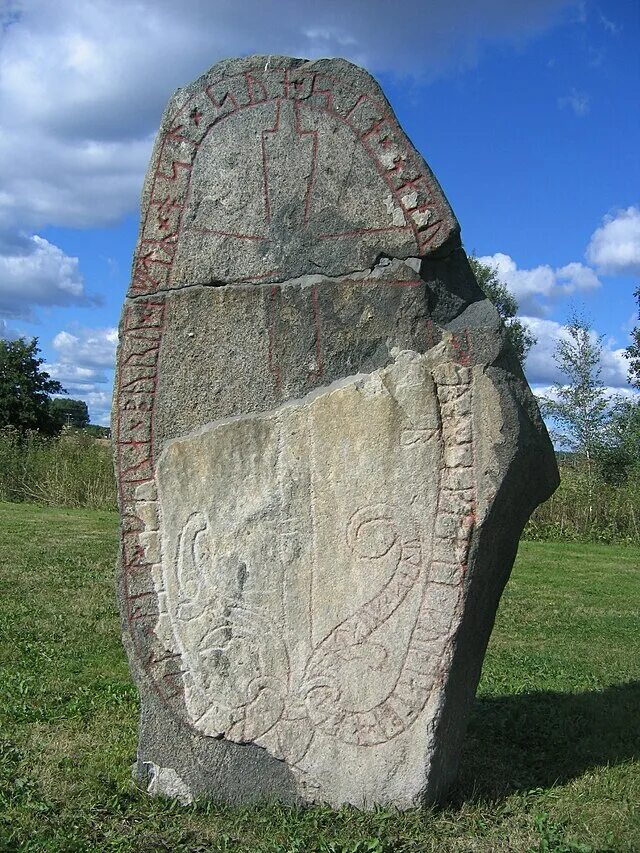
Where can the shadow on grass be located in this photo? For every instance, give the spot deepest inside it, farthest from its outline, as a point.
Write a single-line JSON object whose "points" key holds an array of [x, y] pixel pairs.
{"points": [[534, 740]]}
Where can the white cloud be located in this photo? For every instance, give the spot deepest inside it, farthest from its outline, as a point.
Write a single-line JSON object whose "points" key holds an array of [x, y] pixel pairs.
{"points": [[541, 368], [89, 347], [35, 272], [99, 403], [579, 102], [575, 277], [69, 182], [82, 85], [75, 375], [532, 286], [84, 365], [614, 247]]}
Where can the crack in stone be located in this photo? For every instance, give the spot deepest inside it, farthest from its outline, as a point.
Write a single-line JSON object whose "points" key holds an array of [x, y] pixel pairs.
{"points": [[307, 280]]}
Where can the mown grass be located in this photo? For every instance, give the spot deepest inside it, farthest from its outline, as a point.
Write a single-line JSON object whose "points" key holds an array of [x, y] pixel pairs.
{"points": [[551, 761]]}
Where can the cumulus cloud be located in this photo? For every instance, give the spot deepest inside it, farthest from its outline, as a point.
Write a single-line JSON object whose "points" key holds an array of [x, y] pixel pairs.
{"points": [[35, 272], [614, 247], [72, 182], [88, 347], [99, 404], [75, 376], [542, 370], [84, 365], [531, 286], [82, 85]]}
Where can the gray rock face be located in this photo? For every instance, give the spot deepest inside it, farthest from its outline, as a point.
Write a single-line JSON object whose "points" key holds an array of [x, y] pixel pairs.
{"points": [[325, 449]]}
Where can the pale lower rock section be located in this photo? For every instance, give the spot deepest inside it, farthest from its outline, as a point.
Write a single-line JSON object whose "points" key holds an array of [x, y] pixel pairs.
{"points": [[165, 782], [310, 565]]}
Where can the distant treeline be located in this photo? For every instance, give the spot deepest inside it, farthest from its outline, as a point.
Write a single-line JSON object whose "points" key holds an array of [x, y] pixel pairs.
{"points": [[76, 469]]}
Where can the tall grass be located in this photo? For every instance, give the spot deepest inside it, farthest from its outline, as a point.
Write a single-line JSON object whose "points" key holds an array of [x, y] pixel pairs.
{"points": [[74, 469], [587, 508]]}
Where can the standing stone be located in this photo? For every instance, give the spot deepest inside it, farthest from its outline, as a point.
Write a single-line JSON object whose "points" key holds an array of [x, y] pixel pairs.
{"points": [[326, 450]]}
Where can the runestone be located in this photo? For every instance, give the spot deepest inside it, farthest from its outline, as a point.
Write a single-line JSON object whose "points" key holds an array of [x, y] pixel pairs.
{"points": [[326, 450]]}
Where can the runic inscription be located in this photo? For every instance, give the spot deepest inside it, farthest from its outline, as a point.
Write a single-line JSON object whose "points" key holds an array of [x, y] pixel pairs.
{"points": [[293, 200], [324, 452], [296, 677]]}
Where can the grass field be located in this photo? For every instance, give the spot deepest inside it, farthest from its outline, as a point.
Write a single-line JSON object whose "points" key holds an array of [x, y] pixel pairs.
{"points": [[551, 762]]}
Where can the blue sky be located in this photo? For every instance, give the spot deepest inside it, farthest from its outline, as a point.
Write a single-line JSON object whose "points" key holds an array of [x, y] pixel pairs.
{"points": [[526, 111]]}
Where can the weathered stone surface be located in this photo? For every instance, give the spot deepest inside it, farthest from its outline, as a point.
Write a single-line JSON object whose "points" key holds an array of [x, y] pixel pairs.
{"points": [[325, 449], [269, 168]]}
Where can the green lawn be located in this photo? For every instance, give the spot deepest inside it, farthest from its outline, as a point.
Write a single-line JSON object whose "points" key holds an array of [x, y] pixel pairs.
{"points": [[552, 759]]}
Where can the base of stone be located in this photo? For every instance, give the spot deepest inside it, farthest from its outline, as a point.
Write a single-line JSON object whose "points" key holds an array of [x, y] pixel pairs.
{"points": [[175, 762]]}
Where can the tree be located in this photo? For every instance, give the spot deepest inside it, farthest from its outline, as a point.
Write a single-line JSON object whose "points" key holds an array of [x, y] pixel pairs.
{"points": [[495, 290], [622, 451], [633, 350], [579, 405], [621, 444], [25, 388], [70, 412]]}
